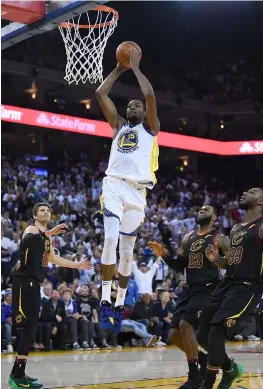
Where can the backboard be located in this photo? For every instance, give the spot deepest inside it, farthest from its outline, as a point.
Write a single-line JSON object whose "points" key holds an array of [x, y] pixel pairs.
{"points": [[56, 12]]}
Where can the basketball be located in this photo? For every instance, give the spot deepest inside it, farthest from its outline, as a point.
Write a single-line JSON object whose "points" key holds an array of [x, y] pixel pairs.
{"points": [[123, 53]]}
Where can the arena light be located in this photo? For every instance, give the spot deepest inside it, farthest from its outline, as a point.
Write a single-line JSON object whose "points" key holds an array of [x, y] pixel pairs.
{"points": [[98, 128]]}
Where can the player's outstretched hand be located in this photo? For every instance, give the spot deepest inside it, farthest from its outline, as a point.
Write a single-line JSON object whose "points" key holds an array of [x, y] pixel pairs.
{"points": [[157, 248], [135, 59], [60, 229], [85, 265], [211, 252]]}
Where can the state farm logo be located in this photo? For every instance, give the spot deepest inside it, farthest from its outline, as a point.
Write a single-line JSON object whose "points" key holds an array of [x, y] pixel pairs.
{"points": [[255, 147], [42, 119], [64, 122], [10, 114]]}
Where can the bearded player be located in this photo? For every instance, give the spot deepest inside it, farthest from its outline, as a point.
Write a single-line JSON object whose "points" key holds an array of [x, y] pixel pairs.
{"points": [[238, 295], [133, 161], [36, 252], [202, 277]]}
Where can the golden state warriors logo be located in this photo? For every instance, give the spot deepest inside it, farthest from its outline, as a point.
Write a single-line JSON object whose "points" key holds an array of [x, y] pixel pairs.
{"points": [[128, 141], [237, 238], [196, 246]]}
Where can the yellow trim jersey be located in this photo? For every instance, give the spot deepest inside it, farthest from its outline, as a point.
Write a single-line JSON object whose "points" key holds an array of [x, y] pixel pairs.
{"points": [[134, 155]]}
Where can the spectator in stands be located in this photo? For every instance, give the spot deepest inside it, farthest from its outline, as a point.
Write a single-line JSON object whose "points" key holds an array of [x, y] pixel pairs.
{"points": [[87, 309], [144, 276], [142, 310], [47, 291], [72, 316], [132, 295], [6, 264], [97, 277], [161, 317], [161, 273], [6, 319], [139, 329]]}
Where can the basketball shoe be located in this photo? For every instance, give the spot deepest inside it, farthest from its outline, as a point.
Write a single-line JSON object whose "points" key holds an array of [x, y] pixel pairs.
{"points": [[24, 382], [107, 319], [230, 376], [31, 379], [118, 312]]}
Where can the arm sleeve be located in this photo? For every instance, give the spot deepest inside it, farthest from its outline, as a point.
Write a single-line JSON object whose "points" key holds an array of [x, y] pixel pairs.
{"points": [[178, 264]]}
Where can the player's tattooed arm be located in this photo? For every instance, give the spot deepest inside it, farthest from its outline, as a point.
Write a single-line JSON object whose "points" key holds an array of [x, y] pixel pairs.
{"points": [[147, 90], [212, 252], [108, 108]]}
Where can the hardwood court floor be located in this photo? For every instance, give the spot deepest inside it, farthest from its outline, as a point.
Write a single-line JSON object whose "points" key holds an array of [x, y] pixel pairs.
{"points": [[130, 368]]}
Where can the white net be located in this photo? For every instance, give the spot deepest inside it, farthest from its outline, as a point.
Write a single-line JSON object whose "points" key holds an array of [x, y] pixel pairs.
{"points": [[85, 46]]}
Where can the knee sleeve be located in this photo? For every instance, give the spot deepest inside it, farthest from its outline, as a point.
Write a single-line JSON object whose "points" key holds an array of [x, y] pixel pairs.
{"points": [[111, 231], [27, 335], [126, 254]]}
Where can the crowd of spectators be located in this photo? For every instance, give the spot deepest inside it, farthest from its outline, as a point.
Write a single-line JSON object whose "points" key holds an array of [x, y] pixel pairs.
{"points": [[201, 78], [69, 315]]}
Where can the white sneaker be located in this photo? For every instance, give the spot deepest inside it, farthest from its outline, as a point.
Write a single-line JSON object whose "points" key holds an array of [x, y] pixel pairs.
{"points": [[252, 338], [238, 338], [152, 341], [76, 346], [86, 346], [160, 344], [10, 349]]}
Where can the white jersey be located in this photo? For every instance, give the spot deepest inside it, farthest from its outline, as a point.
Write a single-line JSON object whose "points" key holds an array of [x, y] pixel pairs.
{"points": [[134, 155]]}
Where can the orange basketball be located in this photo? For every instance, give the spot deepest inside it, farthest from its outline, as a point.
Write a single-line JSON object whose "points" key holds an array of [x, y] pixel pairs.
{"points": [[123, 53]]}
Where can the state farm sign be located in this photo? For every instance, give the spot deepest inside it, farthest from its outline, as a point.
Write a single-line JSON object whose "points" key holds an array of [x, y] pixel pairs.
{"points": [[11, 114], [251, 147], [60, 122], [57, 121]]}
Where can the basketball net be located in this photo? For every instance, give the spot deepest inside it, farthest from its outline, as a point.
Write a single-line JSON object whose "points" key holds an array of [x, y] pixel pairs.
{"points": [[85, 51]]}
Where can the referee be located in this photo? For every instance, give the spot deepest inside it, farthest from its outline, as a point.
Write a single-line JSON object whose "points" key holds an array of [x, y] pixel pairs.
{"points": [[35, 251]]}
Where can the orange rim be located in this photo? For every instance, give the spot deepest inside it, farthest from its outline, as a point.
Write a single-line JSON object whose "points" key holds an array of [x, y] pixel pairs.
{"points": [[103, 8]]}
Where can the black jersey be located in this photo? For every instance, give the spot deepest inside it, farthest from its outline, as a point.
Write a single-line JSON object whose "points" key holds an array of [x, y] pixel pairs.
{"points": [[34, 257], [199, 270], [245, 258]]}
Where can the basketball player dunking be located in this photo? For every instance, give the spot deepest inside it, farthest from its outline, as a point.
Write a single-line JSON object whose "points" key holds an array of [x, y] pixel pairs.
{"points": [[202, 277], [35, 252], [133, 161], [238, 295]]}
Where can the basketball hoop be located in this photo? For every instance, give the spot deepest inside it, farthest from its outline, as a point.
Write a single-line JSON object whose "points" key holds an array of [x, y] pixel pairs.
{"points": [[85, 53]]}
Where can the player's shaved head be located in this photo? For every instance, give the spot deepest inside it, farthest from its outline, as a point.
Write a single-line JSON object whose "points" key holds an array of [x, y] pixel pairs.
{"points": [[252, 198]]}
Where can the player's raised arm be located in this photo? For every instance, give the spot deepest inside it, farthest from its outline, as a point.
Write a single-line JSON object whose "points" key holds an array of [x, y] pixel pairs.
{"points": [[147, 90], [106, 104], [176, 264]]}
